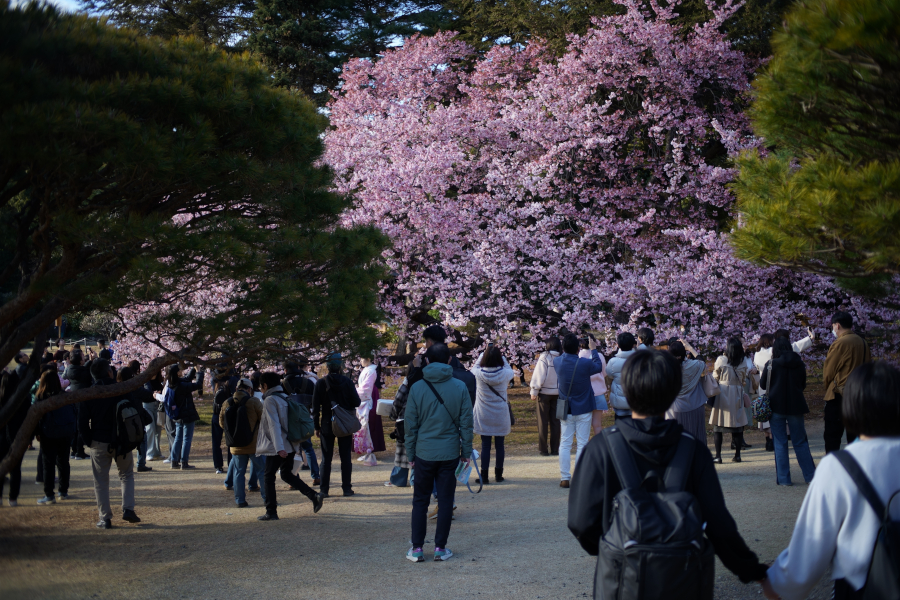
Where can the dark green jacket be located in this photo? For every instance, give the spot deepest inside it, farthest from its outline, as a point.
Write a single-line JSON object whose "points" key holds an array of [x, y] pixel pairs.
{"points": [[431, 429]]}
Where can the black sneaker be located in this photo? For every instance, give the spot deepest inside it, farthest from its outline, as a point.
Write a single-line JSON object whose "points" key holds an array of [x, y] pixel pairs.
{"points": [[185, 467], [349, 493], [144, 469], [304, 468], [253, 489], [128, 515], [243, 505], [104, 524], [176, 465], [317, 503], [267, 517]]}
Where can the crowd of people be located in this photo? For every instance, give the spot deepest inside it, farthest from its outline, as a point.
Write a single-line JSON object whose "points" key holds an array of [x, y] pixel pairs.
{"points": [[659, 393]]}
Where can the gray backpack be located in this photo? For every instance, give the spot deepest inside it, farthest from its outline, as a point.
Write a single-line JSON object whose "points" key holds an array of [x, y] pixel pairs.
{"points": [[654, 547]]}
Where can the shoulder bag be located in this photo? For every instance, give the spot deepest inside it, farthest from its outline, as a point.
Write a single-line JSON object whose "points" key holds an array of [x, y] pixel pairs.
{"points": [[562, 404], [343, 421], [762, 408], [710, 388]]}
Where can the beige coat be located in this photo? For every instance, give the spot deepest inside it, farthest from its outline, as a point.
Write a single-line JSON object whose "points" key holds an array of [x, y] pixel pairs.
{"points": [[729, 408], [254, 412]]}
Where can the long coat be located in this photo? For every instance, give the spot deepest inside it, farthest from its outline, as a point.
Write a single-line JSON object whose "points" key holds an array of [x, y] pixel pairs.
{"points": [[491, 416], [729, 410]]}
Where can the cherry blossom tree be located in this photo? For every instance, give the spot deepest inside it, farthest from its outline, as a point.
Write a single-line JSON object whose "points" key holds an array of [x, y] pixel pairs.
{"points": [[527, 194]]}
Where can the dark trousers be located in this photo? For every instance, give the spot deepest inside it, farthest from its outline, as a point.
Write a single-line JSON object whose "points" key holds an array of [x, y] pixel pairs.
{"points": [[844, 591], [39, 476], [55, 455], [15, 475], [78, 445], [428, 474], [345, 448], [217, 433], [834, 425], [486, 452], [274, 465], [548, 424]]}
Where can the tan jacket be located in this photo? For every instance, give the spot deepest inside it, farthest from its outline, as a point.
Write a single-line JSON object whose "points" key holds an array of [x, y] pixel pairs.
{"points": [[254, 413], [846, 353]]}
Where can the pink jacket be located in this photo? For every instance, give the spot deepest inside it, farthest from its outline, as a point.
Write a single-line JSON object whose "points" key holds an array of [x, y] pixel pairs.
{"points": [[598, 382]]}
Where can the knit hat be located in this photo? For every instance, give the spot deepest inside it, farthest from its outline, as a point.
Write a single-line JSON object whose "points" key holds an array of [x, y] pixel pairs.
{"points": [[334, 361]]}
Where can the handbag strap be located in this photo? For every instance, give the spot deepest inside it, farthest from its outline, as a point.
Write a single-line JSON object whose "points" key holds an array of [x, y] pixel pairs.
{"points": [[574, 369], [441, 400]]}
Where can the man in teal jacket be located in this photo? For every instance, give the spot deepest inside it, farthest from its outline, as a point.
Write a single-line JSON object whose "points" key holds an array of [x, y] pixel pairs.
{"points": [[438, 437]]}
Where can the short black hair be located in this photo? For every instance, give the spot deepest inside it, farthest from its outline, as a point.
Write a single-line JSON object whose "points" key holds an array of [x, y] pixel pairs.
{"points": [[646, 335], [172, 374], [435, 333], [625, 341], [100, 369], [290, 365], [843, 319], [439, 353], [570, 344], [871, 403], [553, 344], [651, 380], [782, 333], [269, 379], [781, 347]]}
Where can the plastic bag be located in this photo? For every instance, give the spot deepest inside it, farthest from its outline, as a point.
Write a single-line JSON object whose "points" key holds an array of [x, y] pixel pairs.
{"points": [[298, 462]]}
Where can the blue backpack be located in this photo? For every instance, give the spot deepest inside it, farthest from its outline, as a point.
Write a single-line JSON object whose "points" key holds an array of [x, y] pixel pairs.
{"points": [[172, 409]]}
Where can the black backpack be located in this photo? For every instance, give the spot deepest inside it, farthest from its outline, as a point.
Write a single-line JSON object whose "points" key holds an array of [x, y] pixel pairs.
{"points": [[237, 424], [654, 547], [883, 579], [129, 427]]}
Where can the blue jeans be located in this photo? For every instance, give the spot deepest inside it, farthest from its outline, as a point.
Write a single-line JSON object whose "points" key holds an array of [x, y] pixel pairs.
{"points": [[801, 447], [307, 448], [238, 467], [256, 471], [181, 449]]}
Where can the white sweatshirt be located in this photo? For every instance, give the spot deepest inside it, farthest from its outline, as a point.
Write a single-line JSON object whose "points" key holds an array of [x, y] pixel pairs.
{"points": [[543, 380], [836, 526]]}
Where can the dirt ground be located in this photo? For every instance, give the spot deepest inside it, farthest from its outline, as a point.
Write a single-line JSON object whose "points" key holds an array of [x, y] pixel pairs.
{"points": [[510, 541]]}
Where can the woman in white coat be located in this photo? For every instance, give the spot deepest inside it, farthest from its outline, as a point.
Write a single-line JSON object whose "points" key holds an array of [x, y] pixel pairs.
{"points": [[491, 418], [728, 414], [838, 523]]}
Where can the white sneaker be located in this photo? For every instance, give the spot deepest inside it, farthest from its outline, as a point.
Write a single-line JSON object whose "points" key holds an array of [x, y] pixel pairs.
{"points": [[13, 503], [167, 461]]}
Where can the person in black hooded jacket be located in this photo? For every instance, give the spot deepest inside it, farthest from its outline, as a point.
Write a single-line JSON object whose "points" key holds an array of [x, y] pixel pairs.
{"points": [[79, 377], [788, 407], [651, 380]]}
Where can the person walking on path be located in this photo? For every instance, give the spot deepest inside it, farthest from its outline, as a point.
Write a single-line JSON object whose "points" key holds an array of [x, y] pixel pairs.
{"points": [[728, 414], [839, 520], [144, 398], [689, 408], [302, 383], [847, 352], [180, 394], [785, 388], [272, 442], [545, 390], [576, 390], [55, 435], [617, 399], [491, 419], [97, 425], [334, 389], [598, 385], [651, 380], [242, 455], [438, 438]]}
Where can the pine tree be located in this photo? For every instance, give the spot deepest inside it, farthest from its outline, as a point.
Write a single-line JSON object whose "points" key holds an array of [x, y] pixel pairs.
{"points": [[826, 198], [137, 171]]}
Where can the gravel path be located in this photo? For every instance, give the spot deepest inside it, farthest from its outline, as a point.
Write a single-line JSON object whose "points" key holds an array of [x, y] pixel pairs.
{"points": [[510, 541]]}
